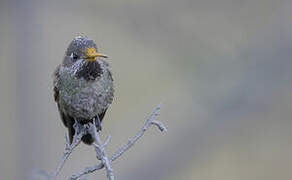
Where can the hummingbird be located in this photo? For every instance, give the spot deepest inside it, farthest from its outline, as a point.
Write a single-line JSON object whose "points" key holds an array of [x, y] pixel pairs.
{"points": [[83, 86]]}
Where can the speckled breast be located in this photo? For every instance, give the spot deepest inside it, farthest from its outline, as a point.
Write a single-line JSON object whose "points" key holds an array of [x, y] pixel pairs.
{"points": [[85, 99]]}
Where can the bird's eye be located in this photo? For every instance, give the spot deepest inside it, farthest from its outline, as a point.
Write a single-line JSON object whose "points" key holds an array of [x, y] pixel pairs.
{"points": [[74, 56]]}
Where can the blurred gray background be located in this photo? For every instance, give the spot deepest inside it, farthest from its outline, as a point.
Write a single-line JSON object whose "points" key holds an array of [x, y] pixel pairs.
{"points": [[221, 68]]}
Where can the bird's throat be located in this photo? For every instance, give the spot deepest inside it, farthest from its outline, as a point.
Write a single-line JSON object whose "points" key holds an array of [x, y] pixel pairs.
{"points": [[90, 70]]}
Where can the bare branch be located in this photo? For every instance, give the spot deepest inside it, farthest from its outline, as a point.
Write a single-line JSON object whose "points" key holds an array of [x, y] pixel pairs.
{"points": [[99, 147], [139, 134], [100, 151], [86, 170], [150, 121], [160, 125], [106, 141], [79, 132]]}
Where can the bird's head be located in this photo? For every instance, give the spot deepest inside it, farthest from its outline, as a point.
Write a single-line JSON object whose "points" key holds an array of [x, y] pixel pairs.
{"points": [[84, 48]]}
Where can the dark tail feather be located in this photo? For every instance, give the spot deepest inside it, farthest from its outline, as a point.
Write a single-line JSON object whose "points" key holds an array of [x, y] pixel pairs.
{"points": [[87, 139]]}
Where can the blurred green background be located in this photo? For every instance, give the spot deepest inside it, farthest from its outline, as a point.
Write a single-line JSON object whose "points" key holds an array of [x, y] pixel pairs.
{"points": [[221, 68]]}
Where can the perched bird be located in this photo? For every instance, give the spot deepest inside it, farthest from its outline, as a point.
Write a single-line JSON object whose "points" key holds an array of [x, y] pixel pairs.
{"points": [[83, 86]]}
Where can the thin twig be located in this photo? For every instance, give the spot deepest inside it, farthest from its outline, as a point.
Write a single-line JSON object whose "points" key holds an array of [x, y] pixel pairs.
{"points": [[160, 125], [68, 149], [139, 134], [150, 121], [86, 170], [106, 141]]}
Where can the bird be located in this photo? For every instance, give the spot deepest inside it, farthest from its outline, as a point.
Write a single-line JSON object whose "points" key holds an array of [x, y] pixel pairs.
{"points": [[83, 86]]}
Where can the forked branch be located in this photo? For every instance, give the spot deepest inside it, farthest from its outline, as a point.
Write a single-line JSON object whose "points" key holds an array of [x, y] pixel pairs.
{"points": [[150, 121], [99, 147]]}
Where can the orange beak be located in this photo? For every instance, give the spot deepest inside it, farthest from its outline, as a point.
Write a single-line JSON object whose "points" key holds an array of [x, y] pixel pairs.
{"points": [[92, 54]]}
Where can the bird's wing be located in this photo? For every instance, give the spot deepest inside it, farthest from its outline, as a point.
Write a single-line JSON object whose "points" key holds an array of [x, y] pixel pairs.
{"points": [[63, 116], [56, 77]]}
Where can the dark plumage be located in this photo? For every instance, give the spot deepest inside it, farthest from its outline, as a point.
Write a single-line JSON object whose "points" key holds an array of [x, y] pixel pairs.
{"points": [[83, 86], [89, 71]]}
